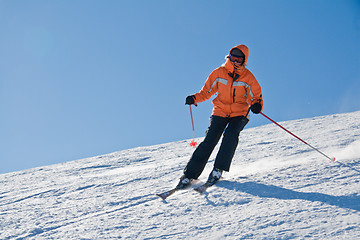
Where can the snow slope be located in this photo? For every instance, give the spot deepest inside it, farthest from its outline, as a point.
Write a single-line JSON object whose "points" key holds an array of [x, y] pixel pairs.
{"points": [[277, 188]]}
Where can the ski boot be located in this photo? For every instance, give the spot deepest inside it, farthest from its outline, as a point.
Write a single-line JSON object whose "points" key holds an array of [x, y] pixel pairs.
{"points": [[214, 176], [184, 182]]}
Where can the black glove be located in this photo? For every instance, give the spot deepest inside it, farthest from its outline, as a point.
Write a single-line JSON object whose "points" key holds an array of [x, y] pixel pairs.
{"points": [[190, 100], [256, 108]]}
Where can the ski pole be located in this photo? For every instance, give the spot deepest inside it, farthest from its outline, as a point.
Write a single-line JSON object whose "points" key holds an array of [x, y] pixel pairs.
{"points": [[331, 159], [193, 143]]}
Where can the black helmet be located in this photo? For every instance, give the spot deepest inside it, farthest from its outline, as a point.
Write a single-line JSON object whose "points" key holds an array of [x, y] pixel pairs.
{"points": [[237, 53]]}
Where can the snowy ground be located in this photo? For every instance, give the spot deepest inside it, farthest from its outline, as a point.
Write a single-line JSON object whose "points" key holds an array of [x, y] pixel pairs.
{"points": [[277, 188]]}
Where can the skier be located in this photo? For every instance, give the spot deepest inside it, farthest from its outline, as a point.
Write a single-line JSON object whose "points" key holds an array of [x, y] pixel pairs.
{"points": [[238, 92]]}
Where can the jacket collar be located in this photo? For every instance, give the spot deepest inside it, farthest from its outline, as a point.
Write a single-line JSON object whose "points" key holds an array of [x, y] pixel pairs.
{"points": [[230, 67]]}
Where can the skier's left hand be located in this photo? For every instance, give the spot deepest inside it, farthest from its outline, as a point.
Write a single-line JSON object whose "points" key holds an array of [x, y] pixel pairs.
{"points": [[256, 108]]}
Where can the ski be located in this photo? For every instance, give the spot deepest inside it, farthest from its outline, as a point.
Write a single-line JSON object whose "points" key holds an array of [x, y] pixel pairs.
{"points": [[202, 188], [164, 195], [183, 184]]}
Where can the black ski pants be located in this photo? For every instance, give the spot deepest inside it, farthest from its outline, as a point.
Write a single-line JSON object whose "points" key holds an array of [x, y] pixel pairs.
{"points": [[231, 127]]}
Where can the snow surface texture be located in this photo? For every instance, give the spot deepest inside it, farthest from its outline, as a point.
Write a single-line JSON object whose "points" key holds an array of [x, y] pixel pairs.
{"points": [[277, 188]]}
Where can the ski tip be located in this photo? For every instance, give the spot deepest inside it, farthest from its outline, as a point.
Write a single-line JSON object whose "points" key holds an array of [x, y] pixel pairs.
{"points": [[164, 195], [161, 196]]}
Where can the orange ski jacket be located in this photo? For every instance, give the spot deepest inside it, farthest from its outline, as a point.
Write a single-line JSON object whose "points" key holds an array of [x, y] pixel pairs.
{"points": [[237, 89]]}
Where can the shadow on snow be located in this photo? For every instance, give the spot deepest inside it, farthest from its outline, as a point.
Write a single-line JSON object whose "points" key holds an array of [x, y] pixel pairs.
{"points": [[270, 191]]}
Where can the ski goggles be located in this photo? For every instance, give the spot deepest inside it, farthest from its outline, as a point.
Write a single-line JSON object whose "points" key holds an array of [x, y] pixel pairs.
{"points": [[236, 59]]}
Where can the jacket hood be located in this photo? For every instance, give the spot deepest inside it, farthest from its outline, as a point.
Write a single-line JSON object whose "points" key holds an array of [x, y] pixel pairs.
{"points": [[244, 49], [230, 66]]}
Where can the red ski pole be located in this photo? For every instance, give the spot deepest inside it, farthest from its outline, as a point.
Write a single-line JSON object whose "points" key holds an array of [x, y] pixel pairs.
{"points": [[193, 143], [331, 159]]}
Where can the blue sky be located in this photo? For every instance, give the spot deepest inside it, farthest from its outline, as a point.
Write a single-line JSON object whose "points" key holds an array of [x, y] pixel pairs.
{"points": [[84, 78]]}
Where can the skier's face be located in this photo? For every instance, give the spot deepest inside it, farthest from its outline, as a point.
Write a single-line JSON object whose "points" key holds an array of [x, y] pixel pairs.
{"points": [[238, 61]]}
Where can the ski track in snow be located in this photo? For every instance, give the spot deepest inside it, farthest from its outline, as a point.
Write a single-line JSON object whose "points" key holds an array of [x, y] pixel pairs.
{"points": [[277, 188]]}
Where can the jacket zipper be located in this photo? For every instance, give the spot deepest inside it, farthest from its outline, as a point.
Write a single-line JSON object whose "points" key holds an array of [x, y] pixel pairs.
{"points": [[234, 77]]}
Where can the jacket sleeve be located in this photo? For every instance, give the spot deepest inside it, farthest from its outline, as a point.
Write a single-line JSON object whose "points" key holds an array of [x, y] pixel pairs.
{"points": [[209, 89], [255, 94]]}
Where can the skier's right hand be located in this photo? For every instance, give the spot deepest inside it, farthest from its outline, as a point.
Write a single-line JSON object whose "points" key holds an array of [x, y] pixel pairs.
{"points": [[190, 100]]}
